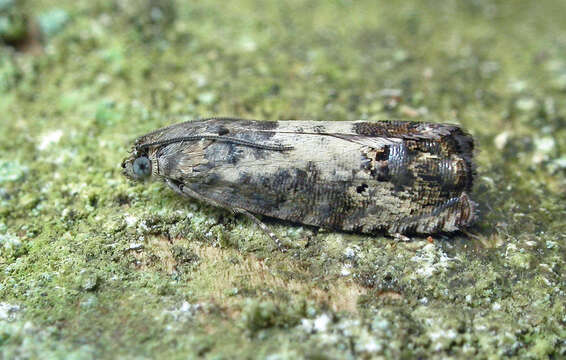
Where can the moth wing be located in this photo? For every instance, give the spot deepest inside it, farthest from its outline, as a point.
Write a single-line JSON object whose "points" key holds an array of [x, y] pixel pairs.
{"points": [[369, 141], [163, 133], [210, 127], [371, 134], [453, 138], [380, 133]]}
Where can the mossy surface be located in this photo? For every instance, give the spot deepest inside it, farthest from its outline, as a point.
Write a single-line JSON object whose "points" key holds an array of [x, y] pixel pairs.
{"points": [[95, 267]]}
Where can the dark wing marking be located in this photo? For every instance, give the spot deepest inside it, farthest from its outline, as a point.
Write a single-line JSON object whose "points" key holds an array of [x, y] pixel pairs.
{"points": [[452, 138], [210, 129], [216, 138]]}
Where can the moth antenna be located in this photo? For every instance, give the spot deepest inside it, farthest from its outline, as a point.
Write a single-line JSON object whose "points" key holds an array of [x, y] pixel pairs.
{"points": [[227, 139]]}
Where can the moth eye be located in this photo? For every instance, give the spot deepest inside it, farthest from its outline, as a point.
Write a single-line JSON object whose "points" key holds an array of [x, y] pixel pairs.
{"points": [[142, 167], [223, 131]]}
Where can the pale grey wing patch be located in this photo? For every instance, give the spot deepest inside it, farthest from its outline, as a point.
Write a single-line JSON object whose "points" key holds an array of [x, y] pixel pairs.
{"points": [[433, 131], [346, 130], [368, 141]]}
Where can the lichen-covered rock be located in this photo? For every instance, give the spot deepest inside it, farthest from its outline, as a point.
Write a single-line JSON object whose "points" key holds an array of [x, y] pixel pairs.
{"points": [[92, 266]]}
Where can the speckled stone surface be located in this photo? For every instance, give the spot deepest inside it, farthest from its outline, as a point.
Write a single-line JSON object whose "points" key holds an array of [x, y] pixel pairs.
{"points": [[95, 267]]}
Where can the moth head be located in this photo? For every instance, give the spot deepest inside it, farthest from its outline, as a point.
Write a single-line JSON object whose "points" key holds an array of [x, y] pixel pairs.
{"points": [[138, 166]]}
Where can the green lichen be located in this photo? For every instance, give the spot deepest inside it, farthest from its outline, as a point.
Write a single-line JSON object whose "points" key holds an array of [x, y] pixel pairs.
{"points": [[95, 267], [11, 171], [53, 21], [13, 22]]}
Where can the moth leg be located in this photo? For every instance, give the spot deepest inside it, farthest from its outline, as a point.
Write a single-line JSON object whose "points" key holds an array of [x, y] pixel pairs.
{"points": [[186, 191], [262, 226]]}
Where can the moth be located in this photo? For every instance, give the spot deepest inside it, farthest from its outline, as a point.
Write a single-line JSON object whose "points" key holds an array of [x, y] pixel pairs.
{"points": [[396, 177]]}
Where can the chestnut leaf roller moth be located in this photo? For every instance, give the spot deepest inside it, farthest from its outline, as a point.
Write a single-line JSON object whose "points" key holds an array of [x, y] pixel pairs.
{"points": [[397, 177]]}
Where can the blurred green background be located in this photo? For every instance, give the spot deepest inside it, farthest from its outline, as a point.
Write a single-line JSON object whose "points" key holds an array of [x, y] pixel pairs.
{"points": [[95, 267]]}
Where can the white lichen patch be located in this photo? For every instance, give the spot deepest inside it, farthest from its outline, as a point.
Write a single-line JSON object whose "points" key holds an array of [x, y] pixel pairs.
{"points": [[352, 252], [89, 302], [11, 171], [321, 322], [9, 242], [295, 231], [247, 44], [346, 270], [346, 332], [8, 312], [367, 343], [185, 311], [431, 260], [442, 331], [62, 156], [544, 147], [334, 243], [130, 220], [74, 188], [525, 104], [135, 246], [318, 324], [442, 338], [142, 228], [49, 139], [207, 97], [501, 140]]}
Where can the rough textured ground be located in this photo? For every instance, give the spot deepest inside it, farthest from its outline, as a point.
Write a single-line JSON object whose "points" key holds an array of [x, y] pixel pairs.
{"points": [[92, 266]]}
